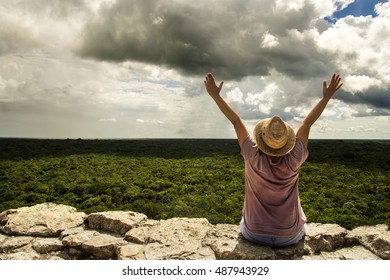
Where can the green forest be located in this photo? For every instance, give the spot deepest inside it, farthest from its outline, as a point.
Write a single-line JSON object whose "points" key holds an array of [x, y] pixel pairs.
{"points": [[343, 181]]}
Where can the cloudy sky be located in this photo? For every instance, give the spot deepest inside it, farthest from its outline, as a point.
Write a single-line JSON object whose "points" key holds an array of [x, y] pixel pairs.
{"points": [[135, 69]]}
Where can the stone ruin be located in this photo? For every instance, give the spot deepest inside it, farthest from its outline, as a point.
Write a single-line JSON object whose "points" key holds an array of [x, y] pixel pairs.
{"points": [[58, 232]]}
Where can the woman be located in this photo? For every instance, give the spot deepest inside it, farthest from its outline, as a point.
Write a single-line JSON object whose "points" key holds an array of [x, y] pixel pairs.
{"points": [[272, 213]]}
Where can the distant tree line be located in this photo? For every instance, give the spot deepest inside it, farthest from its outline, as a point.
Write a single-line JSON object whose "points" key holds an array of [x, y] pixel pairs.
{"points": [[344, 182]]}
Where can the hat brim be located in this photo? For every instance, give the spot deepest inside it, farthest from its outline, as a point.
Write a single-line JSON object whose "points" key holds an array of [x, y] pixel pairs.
{"points": [[268, 150]]}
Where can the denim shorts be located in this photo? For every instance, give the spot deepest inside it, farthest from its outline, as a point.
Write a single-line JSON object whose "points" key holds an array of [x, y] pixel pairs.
{"points": [[271, 241]]}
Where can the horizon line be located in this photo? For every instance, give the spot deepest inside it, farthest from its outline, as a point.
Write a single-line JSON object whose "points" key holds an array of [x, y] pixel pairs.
{"points": [[176, 138]]}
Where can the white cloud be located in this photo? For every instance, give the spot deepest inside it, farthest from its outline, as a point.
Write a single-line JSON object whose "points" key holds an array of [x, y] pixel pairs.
{"points": [[254, 99], [321, 126], [360, 83], [343, 37], [383, 9], [342, 4], [348, 112], [265, 99], [269, 40], [359, 43], [383, 118], [110, 120], [329, 113], [235, 96], [284, 5], [360, 129], [151, 121]]}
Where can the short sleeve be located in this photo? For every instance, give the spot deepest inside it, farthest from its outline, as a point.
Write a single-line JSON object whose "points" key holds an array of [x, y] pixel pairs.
{"points": [[298, 154], [249, 148]]}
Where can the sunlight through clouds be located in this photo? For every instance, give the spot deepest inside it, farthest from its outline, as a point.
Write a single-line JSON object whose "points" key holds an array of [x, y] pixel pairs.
{"points": [[128, 69], [235, 95], [360, 83], [269, 40]]}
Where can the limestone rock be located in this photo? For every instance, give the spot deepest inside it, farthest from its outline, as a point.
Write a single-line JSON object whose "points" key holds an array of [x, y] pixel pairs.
{"points": [[102, 245], [115, 221], [75, 241], [227, 243], [71, 231], [60, 255], [43, 220], [324, 237], [178, 238], [30, 254], [22, 255], [295, 251], [4, 215], [374, 238], [353, 253], [58, 232], [312, 258], [47, 245], [179, 230], [140, 234], [10, 244], [131, 252], [19, 248], [2, 238]]}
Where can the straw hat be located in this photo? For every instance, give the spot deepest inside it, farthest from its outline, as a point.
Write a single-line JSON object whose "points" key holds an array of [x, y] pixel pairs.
{"points": [[274, 137]]}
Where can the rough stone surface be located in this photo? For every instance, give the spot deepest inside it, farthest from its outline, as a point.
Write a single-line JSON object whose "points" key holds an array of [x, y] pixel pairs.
{"points": [[44, 220], [47, 245], [131, 252], [178, 238], [12, 243], [140, 234], [137, 235], [227, 243], [26, 255], [115, 221], [2, 238], [74, 241], [102, 246], [353, 253], [324, 237], [374, 238], [57, 232]]}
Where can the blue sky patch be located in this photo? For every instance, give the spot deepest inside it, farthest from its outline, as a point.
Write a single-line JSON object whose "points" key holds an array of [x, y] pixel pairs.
{"points": [[357, 8]]}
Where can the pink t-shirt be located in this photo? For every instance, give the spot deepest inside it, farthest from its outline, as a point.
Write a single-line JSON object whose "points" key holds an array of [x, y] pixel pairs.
{"points": [[272, 206]]}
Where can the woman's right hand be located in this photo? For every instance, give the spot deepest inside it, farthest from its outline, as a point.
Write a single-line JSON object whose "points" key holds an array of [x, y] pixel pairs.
{"points": [[335, 84]]}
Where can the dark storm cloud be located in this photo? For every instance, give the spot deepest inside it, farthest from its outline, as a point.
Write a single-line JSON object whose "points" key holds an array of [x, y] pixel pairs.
{"points": [[376, 97], [220, 36]]}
